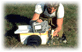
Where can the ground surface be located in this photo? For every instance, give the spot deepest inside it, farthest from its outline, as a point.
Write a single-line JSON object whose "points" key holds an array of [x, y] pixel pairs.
{"points": [[20, 14]]}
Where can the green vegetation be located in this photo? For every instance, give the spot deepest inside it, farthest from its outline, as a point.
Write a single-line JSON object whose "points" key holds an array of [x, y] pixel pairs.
{"points": [[27, 10]]}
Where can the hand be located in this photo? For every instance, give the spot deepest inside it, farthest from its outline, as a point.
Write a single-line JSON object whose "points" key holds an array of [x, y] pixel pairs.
{"points": [[55, 33], [39, 20]]}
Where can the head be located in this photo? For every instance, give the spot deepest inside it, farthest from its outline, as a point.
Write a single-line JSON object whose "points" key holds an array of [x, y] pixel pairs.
{"points": [[51, 7]]}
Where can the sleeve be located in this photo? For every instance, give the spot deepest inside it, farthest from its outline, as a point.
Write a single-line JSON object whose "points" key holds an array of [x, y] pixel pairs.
{"points": [[38, 9], [60, 13]]}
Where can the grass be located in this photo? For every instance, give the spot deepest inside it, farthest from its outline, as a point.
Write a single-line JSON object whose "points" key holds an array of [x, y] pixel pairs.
{"points": [[27, 11]]}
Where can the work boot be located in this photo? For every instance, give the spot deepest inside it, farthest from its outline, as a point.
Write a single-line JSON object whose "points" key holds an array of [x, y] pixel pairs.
{"points": [[63, 39]]}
